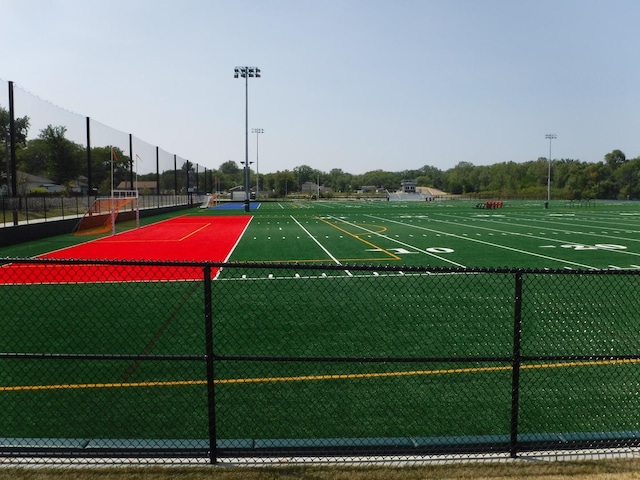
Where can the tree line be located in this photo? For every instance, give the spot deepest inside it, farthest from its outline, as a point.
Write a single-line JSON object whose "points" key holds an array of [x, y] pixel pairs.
{"points": [[615, 177], [53, 156]]}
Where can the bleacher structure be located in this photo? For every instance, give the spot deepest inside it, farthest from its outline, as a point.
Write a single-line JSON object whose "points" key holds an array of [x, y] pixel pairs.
{"points": [[103, 213]]}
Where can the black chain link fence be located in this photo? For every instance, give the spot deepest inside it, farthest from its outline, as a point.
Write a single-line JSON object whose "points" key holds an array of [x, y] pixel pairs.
{"points": [[260, 362]]}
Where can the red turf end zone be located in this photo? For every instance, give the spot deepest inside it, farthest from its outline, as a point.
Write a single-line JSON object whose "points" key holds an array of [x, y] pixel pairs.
{"points": [[206, 239]]}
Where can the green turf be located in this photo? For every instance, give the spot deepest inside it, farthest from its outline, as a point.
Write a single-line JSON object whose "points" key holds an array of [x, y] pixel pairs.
{"points": [[445, 234], [337, 313]]}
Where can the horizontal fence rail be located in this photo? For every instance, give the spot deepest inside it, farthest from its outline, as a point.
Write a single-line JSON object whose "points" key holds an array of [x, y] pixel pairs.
{"points": [[263, 361]]}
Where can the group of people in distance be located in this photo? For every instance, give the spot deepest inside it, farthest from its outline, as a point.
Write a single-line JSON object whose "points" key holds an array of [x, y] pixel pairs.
{"points": [[489, 204]]}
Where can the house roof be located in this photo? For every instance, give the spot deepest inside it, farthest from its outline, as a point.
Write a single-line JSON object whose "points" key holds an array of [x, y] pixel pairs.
{"points": [[34, 178]]}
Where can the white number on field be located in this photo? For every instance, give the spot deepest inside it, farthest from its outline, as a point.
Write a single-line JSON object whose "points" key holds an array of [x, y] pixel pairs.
{"points": [[439, 250], [597, 246], [404, 251]]}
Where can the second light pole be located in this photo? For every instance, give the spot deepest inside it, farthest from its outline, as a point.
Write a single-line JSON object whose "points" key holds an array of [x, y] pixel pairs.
{"points": [[246, 73], [549, 136], [257, 131]]}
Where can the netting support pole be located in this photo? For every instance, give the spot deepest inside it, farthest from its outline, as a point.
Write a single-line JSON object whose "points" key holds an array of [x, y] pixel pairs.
{"points": [[12, 170], [89, 170], [158, 176], [211, 393], [137, 211], [113, 214], [516, 361]]}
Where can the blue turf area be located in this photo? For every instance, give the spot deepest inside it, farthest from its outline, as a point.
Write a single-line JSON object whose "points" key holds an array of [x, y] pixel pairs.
{"points": [[235, 206]]}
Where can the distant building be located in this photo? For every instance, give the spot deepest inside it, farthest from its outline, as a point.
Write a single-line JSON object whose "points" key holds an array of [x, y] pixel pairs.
{"points": [[81, 185], [313, 188], [408, 186], [370, 189], [28, 183]]}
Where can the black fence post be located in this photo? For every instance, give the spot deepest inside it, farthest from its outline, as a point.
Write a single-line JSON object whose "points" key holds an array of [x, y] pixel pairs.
{"points": [[157, 176], [175, 178], [131, 160], [208, 318], [89, 170], [516, 359], [13, 172]]}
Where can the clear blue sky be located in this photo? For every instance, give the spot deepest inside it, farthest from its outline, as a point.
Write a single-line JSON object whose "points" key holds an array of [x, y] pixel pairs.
{"points": [[352, 84]]}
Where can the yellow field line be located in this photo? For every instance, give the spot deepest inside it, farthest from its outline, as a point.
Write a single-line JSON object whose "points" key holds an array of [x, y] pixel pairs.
{"points": [[160, 240], [395, 257], [194, 232], [306, 378], [79, 386], [585, 363]]}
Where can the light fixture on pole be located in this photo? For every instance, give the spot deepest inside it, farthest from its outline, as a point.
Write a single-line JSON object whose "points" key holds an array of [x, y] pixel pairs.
{"points": [[246, 183], [246, 73], [257, 131], [549, 136]]}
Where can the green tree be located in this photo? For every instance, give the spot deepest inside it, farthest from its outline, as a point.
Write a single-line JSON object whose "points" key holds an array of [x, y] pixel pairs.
{"points": [[576, 182], [54, 156], [339, 181], [34, 158], [229, 168], [626, 178], [594, 172], [101, 165], [65, 156], [429, 176], [304, 173], [229, 175], [537, 172], [186, 176], [382, 179], [21, 126], [459, 179], [280, 183], [615, 159]]}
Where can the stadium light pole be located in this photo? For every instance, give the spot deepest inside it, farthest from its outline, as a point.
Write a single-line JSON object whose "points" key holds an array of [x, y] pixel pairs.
{"points": [[246, 73], [257, 131], [549, 136]]}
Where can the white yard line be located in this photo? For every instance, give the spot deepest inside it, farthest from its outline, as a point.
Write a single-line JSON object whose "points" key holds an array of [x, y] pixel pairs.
{"points": [[617, 227], [504, 247], [386, 237], [608, 237], [623, 222], [234, 247], [319, 244]]}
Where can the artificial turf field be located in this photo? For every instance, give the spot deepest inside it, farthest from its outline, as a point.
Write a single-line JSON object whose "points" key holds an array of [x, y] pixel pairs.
{"points": [[281, 314], [450, 234], [446, 233]]}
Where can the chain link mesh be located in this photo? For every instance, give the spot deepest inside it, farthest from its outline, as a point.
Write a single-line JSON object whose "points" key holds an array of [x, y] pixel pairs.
{"points": [[265, 361]]}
